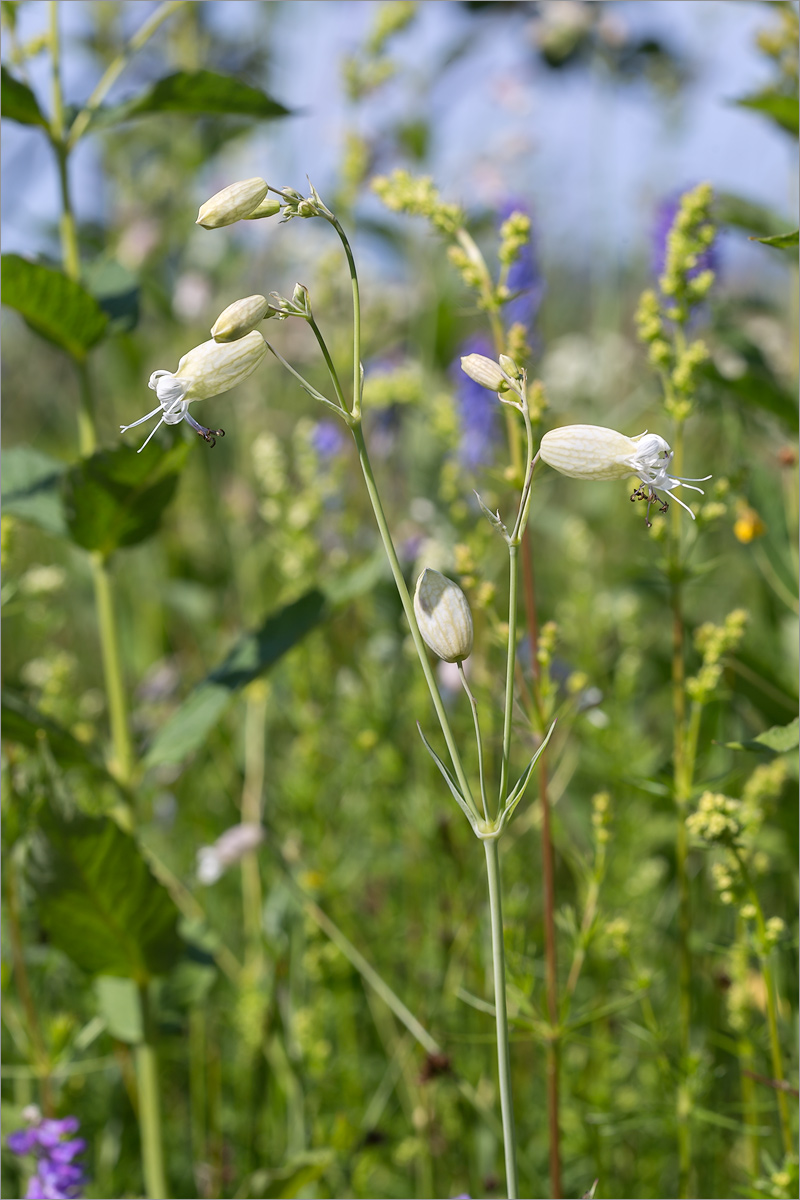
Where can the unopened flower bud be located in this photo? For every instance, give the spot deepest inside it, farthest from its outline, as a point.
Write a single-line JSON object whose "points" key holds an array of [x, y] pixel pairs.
{"points": [[239, 318], [509, 366], [484, 371], [443, 616], [268, 207], [232, 204]]}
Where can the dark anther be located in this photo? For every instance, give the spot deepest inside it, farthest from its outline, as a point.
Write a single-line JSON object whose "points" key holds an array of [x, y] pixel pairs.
{"points": [[211, 435]]}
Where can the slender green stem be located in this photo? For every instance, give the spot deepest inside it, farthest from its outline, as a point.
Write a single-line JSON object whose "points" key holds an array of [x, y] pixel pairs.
{"points": [[499, 973], [115, 68], [252, 789], [513, 573], [40, 1054], [305, 385], [329, 363], [772, 1009], [408, 609], [356, 410], [149, 1107], [474, 706], [112, 670]]}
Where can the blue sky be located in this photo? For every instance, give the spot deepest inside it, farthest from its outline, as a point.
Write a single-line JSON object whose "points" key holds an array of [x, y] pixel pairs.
{"points": [[592, 157]]}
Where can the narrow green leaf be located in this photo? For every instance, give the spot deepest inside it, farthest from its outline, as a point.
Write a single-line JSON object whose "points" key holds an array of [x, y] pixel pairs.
{"points": [[253, 654], [117, 498], [780, 108], [31, 488], [18, 102], [451, 783], [782, 241], [780, 739], [98, 899], [199, 93], [56, 307], [24, 724]]}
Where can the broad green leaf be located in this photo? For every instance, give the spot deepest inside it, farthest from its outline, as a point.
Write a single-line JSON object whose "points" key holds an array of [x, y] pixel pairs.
{"points": [[199, 93], [31, 488], [116, 290], [780, 108], [120, 1006], [754, 384], [55, 306], [252, 655], [780, 739], [782, 241], [18, 102], [730, 209], [98, 899], [117, 497], [25, 724]]}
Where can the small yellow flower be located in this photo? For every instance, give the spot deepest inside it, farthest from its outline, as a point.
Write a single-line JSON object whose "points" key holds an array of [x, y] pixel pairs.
{"points": [[748, 524]]}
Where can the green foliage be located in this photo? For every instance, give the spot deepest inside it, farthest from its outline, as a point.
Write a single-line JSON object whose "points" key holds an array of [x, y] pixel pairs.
{"points": [[253, 655], [780, 108], [97, 897], [31, 484], [24, 724], [782, 241], [117, 498], [196, 93], [57, 307], [19, 103]]}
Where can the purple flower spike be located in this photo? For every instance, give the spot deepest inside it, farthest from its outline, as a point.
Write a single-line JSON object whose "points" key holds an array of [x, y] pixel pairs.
{"points": [[56, 1176], [477, 408], [524, 276]]}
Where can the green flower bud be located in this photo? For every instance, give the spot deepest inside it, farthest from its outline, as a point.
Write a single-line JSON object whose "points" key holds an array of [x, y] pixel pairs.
{"points": [[239, 318], [232, 204], [268, 207], [443, 615]]}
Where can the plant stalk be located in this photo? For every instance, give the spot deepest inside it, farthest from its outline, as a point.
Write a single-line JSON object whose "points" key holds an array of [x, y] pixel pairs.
{"points": [[501, 1015], [149, 1107]]}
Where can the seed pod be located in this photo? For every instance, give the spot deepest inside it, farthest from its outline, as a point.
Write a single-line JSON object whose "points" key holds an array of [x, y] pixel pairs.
{"points": [[484, 371], [443, 616], [239, 318], [232, 204]]}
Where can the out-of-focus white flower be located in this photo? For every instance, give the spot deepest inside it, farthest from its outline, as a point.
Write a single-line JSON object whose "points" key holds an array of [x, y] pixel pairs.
{"points": [[594, 452], [229, 848], [443, 615], [207, 370], [239, 318], [233, 203], [39, 580]]}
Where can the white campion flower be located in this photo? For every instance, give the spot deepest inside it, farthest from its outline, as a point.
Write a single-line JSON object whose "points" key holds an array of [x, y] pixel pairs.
{"points": [[443, 615], [594, 452], [229, 848], [207, 370]]}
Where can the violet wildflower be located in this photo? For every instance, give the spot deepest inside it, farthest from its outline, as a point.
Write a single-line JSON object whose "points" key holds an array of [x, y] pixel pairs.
{"points": [[524, 280], [327, 439], [56, 1176], [477, 408]]}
